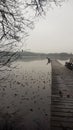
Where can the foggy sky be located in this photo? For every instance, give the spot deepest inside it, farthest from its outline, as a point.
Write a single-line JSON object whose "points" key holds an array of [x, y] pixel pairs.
{"points": [[54, 32]]}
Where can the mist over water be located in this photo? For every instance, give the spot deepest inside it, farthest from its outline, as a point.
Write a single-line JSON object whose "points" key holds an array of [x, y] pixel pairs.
{"points": [[25, 95]]}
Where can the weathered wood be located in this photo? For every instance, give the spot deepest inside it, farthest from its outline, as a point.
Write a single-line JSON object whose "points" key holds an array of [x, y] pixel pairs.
{"points": [[61, 97]]}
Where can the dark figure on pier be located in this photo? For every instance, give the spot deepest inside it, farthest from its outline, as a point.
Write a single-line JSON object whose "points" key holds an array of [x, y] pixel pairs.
{"points": [[48, 60]]}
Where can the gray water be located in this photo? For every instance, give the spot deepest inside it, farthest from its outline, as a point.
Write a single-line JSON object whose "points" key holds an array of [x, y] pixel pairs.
{"points": [[25, 95]]}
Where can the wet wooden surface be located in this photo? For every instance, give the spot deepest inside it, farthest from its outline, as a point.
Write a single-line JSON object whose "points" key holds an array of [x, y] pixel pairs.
{"points": [[61, 97]]}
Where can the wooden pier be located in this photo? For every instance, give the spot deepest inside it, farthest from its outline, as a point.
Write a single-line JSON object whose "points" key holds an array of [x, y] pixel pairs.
{"points": [[61, 97]]}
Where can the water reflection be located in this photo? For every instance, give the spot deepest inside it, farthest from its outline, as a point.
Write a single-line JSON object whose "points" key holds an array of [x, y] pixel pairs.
{"points": [[25, 96]]}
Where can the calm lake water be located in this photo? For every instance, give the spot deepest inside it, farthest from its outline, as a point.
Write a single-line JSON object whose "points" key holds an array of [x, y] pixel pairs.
{"points": [[63, 61], [25, 95]]}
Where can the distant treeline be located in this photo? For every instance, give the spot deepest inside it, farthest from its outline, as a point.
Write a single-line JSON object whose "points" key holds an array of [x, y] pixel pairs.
{"points": [[23, 55], [61, 56]]}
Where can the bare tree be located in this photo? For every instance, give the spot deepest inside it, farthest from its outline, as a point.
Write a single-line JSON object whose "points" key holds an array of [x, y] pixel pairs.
{"points": [[12, 20], [40, 6], [13, 25], [17, 16]]}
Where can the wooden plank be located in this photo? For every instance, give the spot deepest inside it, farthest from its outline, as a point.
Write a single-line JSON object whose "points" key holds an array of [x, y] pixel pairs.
{"points": [[61, 98]]}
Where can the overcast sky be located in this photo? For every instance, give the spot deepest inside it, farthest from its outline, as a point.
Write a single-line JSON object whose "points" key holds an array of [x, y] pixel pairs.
{"points": [[54, 32]]}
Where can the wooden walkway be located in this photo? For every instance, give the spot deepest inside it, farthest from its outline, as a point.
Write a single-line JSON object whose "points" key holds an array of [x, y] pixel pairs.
{"points": [[62, 97]]}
